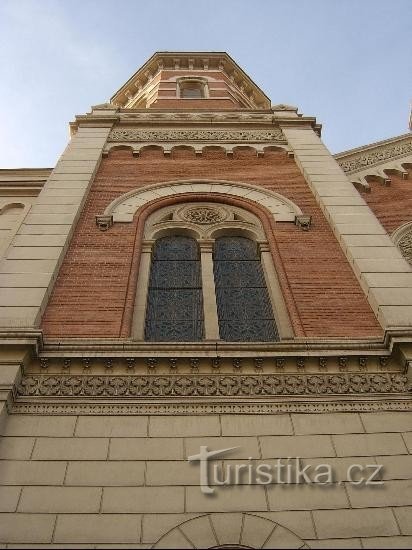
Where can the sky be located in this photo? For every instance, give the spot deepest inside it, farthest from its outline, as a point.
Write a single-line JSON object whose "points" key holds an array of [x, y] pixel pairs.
{"points": [[347, 62]]}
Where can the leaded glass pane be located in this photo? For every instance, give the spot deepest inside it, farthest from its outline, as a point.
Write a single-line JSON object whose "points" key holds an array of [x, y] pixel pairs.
{"points": [[176, 248], [175, 274], [256, 330], [241, 274], [239, 303], [244, 309], [235, 248], [174, 303]]}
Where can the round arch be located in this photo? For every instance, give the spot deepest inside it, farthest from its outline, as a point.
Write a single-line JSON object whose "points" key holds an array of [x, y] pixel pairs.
{"points": [[229, 530], [123, 208]]}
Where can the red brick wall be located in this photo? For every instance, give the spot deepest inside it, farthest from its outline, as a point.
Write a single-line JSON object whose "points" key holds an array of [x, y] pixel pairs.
{"points": [[94, 292], [391, 204]]}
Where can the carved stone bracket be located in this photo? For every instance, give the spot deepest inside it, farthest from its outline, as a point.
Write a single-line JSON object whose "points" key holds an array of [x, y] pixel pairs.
{"points": [[104, 221], [304, 222]]}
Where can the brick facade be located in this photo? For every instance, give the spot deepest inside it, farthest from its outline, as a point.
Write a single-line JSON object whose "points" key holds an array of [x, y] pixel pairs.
{"points": [[391, 204], [92, 289]]}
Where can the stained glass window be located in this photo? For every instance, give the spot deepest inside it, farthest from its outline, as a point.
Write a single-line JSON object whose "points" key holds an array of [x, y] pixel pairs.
{"points": [[244, 309], [175, 305]]}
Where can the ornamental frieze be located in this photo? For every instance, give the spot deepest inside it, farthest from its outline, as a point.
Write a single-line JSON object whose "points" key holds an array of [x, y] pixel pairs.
{"points": [[137, 134], [213, 385], [371, 157], [179, 407]]}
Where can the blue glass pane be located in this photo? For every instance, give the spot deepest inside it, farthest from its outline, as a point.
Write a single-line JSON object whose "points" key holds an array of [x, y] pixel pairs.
{"points": [[244, 309], [175, 274], [243, 303], [176, 248], [174, 303], [172, 331], [235, 248], [239, 274]]}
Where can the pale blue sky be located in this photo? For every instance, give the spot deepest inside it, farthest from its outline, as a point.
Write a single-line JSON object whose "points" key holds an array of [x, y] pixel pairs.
{"points": [[347, 62]]}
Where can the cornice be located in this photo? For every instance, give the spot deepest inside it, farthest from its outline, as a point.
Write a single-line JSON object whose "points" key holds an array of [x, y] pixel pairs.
{"points": [[32, 338], [23, 181], [123, 347], [374, 154], [24, 176], [201, 119]]}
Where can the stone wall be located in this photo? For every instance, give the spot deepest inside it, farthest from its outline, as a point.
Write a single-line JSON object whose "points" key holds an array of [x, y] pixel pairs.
{"points": [[101, 480]]}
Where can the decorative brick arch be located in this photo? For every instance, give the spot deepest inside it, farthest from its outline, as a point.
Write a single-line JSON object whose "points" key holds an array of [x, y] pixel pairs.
{"points": [[123, 208], [231, 530]]}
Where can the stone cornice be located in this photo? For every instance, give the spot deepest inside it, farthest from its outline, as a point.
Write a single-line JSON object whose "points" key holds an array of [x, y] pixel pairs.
{"points": [[102, 116], [32, 338], [362, 158], [23, 181], [123, 347]]}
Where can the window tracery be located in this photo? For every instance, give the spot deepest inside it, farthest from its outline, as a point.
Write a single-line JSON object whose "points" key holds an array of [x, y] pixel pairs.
{"points": [[207, 273]]}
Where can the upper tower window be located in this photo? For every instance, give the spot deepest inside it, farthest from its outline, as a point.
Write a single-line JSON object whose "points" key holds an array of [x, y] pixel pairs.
{"points": [[192, 88]]}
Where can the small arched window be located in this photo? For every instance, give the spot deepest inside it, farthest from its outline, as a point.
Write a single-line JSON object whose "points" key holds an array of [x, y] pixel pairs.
{"points": [[192, 88], [243, 304], [174, 305]]}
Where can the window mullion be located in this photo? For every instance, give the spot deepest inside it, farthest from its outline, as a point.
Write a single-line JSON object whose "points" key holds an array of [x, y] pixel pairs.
{"points": [[142, 290], [209, 291]]}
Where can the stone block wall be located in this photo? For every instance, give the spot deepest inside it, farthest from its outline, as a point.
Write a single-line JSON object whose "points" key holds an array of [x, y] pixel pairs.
{"points": [[96, 481]]}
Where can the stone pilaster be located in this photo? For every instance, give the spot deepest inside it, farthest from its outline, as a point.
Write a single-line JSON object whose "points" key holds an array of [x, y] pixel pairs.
{"points": [[30, 266]]}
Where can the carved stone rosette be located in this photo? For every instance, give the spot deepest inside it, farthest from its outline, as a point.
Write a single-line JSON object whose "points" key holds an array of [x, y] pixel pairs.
{"points": [[214, 385]]}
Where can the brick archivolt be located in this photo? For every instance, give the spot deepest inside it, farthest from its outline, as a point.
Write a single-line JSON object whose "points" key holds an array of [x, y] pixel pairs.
{"points": [[124, 207]]}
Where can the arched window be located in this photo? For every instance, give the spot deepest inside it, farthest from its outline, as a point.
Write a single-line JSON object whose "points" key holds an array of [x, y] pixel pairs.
{"points": [[243, 305], [192, 88], [174, 303], [206, 273]]}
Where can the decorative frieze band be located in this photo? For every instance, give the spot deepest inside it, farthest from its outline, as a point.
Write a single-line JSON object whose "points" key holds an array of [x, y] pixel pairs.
{"points": [[373, 156], [314, 406], [137, 134], [214, 385]]}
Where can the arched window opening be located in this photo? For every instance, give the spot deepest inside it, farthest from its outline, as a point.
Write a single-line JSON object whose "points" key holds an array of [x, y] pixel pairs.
{"points": [[174, 305], [243, 304], [192, 88]]}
